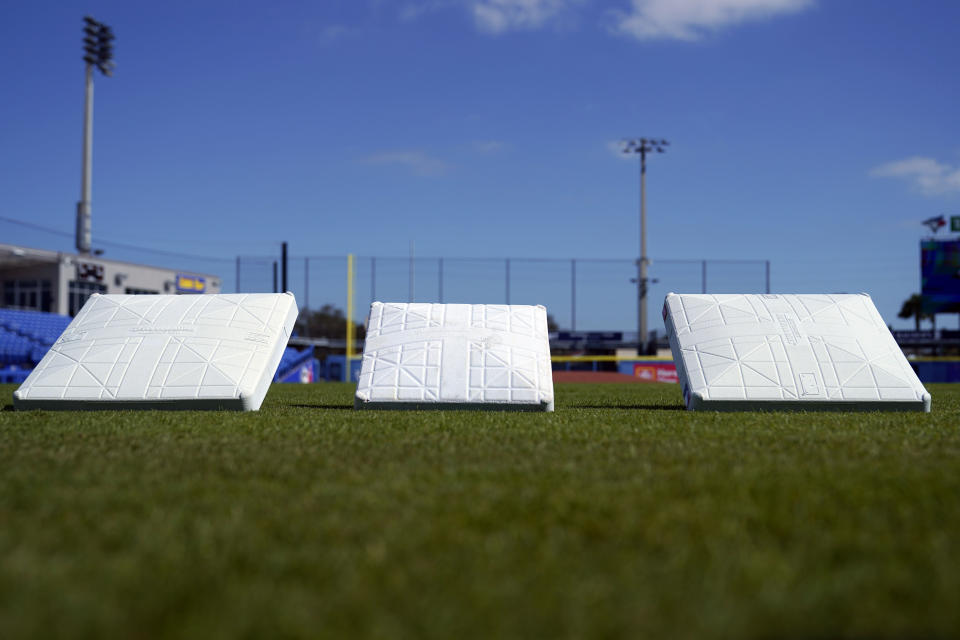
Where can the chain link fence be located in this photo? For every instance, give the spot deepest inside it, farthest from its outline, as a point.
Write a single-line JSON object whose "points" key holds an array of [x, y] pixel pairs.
{"points": [[580, 294]]}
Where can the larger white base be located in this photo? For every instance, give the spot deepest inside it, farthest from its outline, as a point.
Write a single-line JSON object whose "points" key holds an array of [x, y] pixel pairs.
{"points": [[774, 352], [164, 352]]}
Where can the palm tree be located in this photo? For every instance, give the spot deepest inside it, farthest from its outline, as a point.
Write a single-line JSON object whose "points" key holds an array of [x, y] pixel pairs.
{"points": [[913, 308]]}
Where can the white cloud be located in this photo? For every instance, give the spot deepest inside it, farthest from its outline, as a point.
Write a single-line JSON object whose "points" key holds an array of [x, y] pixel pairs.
{"points": [[499, 16], [413, 10], [616, 148], [416, 161], [692, 19], [925, 174], [642, 19], [488, 146], [334, 32]]}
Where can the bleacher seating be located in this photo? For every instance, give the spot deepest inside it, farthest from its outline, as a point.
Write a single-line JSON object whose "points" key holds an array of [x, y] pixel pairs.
{"points": [[25, 336], [290, 364], [14, 348]]}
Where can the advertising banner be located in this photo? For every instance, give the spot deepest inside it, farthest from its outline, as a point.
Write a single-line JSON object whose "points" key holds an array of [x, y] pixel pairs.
{"points": [[655, 371]]}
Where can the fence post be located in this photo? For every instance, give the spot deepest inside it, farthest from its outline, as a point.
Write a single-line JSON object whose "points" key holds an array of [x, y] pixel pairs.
{"points": [[508, 280], [350, 326], [412, 274], [703, 278], [573, 294], [274, 276], [283, 267]]}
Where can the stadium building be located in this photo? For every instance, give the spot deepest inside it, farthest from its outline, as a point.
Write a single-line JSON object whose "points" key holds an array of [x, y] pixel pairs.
{"points": [[42, 290], [58, 282]]}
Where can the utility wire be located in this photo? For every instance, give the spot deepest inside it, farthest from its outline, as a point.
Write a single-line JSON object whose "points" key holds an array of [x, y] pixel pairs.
{"points": [[118, 245]]}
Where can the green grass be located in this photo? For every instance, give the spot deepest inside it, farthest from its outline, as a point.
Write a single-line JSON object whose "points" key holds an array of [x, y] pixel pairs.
{"points": [[617, 516]]}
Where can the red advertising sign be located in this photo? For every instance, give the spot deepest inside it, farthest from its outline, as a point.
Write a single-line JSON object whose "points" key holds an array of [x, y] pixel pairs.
{"points": [[655, 371]]}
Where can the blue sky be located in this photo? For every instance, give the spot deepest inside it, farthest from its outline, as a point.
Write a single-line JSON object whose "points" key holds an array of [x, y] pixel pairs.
{"points": [[817, 134]]}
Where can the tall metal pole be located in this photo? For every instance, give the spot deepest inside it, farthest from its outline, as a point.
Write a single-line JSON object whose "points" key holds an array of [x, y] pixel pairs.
{"points": [[98, 52], [642, 146], [84, 206], [642, 282]]}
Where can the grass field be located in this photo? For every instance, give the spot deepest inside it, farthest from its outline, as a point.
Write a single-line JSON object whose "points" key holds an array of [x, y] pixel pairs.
{"points": [[620, 515]]}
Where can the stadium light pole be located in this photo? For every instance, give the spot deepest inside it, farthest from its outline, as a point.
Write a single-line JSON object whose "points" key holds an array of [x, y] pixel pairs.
{"points": [[643, 146], [97, 52]]}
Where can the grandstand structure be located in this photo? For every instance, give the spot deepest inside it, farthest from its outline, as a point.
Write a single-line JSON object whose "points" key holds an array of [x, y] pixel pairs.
{"points": [[25, 336], [40, 290], [59, 282]]}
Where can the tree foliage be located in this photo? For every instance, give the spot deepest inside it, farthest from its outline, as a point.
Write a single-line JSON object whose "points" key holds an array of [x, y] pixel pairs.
{"points": [[326, 322], [913, 308]]}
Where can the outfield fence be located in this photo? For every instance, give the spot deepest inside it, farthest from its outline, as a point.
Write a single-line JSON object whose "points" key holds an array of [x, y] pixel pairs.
{"points": [[581, 294]]}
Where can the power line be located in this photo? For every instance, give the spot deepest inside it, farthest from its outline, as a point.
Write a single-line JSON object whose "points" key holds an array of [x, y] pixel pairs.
{"points": [[38, 227], [118, 245]]}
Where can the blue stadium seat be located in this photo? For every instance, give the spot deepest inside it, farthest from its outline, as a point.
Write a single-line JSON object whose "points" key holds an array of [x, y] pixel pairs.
{"points": [[291, 359], [25, 336]]}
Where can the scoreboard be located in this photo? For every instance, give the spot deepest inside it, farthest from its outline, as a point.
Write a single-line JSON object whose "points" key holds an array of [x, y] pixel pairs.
{"points": [[940, 276]]}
